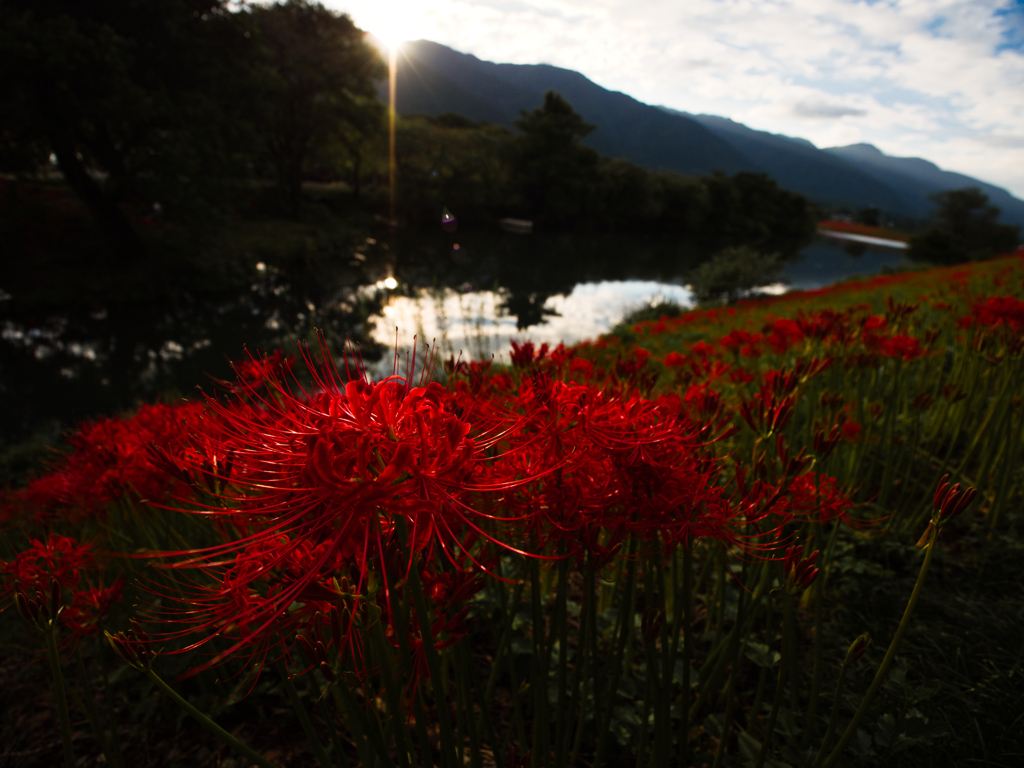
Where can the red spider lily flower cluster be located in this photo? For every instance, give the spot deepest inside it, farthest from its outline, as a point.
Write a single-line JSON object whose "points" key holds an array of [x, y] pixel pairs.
{"points": [[322, 484], [49, 567], [109, 459]]}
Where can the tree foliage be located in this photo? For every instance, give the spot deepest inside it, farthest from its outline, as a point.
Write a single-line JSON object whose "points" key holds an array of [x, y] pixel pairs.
{"points": [[136, 100], [966, 228], [318, 91], [732, 273], [555, 173]]}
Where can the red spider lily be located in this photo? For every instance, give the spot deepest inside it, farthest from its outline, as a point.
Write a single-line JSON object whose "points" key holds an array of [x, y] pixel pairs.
{"points": [[822, 325], [89, 606], [783, 334], [851, 430], [630, 366], [252, 373], [582, 368], [899, 310], [58, 558], [674, 360], [110, 459], [63, 562], [905, 347], [742, 343], [323, 480], [525, 354], [740, 376], [857, 648], [954, 393], [816, 497], [703, 400], [1000, 311]]}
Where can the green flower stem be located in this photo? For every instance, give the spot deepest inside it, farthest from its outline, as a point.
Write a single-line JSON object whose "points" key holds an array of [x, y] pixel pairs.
{"points": [[58, 693], [567, 712], [730, 698], [325, 713], [684, 735], [108, 703], [625, 632], [539, 665], [560, 625], [983, 429], [769, 730], [208, 724], [88, 705], [663, 715], [833, 718], [434, 667], [587, 662], [352, 714], [883, 670], [300, 712], [394, 699], [812, 705]]}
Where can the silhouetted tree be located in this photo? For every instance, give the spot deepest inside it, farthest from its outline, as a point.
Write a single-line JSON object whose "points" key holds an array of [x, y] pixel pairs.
{"points": [[733, 272], [319, 88], [555, 172], [966, 228], [137, 100]]}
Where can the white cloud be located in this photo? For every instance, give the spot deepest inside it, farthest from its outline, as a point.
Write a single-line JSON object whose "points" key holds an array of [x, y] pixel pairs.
{"points": [[941, 79]]}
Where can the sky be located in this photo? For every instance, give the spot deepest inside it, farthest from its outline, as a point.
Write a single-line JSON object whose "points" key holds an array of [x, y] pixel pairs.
{"points": [[938, 79]]}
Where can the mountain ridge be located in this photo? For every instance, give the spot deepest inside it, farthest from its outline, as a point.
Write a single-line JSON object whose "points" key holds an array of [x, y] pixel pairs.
{"points": [[434, 79]]}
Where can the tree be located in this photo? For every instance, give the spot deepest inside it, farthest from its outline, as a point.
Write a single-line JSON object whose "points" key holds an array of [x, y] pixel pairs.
{"points": [[319, 88], [966, 228], [555, 171], [137, 100], [733, 272], [751, 209]]}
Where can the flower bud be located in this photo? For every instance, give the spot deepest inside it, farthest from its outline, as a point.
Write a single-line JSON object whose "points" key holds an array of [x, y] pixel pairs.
{"points": [[857, 648], [327, 672], [923, 541], [55, 605], [825, 444], [950, 501], [799, 572], [25, 607], [133, 646]]}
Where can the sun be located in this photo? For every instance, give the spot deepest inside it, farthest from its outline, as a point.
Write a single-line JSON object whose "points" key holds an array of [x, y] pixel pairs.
{"points": [[392, 32]]}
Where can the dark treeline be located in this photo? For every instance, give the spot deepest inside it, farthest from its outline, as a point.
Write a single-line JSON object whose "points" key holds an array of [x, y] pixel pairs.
{"points": [[176, 108], [543, 173]]}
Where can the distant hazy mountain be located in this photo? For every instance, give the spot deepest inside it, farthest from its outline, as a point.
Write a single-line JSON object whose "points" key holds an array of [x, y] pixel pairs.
{"points": [[434, 79], [920, 178]]}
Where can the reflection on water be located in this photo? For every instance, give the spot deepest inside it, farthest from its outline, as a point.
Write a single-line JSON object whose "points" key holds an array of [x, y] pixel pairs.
{"points": [[546, 289], [470, 291], [826, 261], [476, 325]]}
